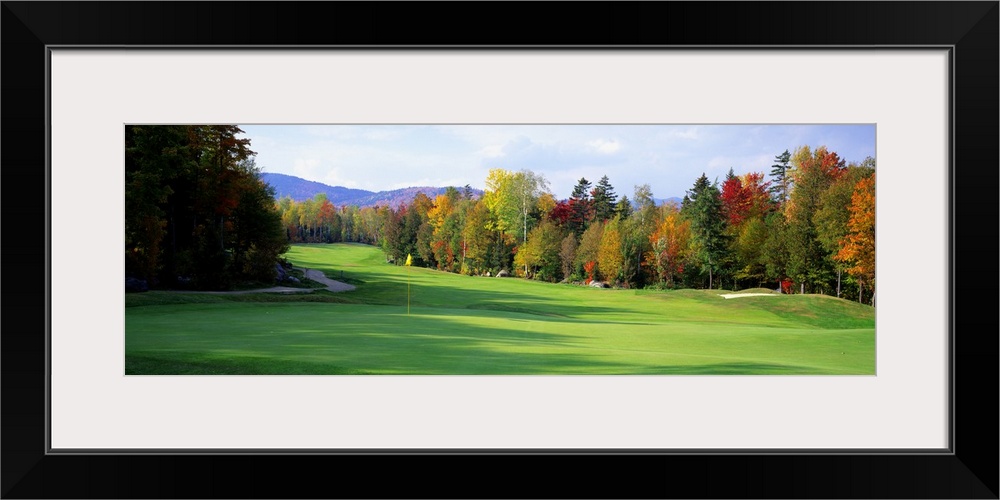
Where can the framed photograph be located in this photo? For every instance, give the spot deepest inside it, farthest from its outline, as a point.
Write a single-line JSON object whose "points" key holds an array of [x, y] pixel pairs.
{"points": [[923, 76]]}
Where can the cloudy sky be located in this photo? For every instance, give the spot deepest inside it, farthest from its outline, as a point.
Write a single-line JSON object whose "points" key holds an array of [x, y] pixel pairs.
{"points": [[667, 157]]}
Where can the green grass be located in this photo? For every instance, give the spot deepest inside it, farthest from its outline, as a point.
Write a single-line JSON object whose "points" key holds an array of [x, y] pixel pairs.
{"points": [[475, 325]]}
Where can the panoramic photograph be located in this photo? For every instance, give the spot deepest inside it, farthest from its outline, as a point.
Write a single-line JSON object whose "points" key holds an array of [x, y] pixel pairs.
{"points": [[467, 249]]}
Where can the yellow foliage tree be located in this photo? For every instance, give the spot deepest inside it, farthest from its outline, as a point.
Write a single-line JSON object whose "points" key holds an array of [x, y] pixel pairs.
{"points": [[670, 244], [610, 259]]}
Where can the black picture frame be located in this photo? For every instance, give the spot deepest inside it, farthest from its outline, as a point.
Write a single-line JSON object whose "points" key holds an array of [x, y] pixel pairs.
{"points": [[969, 471]]}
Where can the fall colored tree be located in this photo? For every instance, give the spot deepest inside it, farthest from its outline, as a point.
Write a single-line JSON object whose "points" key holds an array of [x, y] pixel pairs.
{"points": [[859, 243], [610, 259], [567, 255], [744, 197], [734, 200], [815, 171], [348, 216], [562, 213], [745, 203], [832, 216], [499, 197], [669, 246], [590, 267], [477, 236], [539, 256], [438, 218], [391, 234], [511, 197], [740, 230], [590, 244]]}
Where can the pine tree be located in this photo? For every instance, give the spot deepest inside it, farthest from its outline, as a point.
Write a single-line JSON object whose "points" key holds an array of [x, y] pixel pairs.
{"points": [[582, 207], [704, 210], [779, 171], [604, 200]]}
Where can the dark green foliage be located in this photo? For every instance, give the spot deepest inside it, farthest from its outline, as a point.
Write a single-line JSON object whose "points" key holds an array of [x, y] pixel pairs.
{"points": [[779, 172], [604, 200], [257, 238], [624, 208], [582, 207], [704, 210], [197, 213]]}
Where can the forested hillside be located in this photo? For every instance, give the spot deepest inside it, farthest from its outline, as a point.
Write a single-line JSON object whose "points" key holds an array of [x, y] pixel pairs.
{"points": [[810, 228]]}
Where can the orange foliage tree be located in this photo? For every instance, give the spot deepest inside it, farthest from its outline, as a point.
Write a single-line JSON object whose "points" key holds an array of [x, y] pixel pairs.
{"points": [[858, 247], [669, 246]]}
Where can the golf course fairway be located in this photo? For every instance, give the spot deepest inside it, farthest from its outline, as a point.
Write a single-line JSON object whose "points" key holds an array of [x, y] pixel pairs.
{"points": [[468, 325]]}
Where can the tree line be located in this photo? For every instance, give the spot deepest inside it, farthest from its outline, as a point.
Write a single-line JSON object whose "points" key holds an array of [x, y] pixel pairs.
{"points": [[196, 212], [809, 229]]}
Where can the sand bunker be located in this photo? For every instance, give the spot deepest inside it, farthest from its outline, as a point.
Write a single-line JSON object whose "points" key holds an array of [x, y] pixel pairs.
{"points": [[735, 295]]}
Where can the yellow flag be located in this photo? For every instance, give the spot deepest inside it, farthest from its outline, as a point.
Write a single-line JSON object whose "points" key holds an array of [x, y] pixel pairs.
{"points": [[409, 260]]}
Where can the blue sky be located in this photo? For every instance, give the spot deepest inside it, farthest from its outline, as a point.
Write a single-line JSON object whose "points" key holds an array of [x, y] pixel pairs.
{"points": [[667, 157]]}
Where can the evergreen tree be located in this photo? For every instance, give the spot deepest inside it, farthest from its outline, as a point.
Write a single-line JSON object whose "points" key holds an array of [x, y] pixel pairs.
{"points": [[581, 207], [623, 208], [604, 200], [779, 171], [704, 210]]}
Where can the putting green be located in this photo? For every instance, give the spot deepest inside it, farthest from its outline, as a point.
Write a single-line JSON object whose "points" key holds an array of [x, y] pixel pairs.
{"points": [[476, 325]]}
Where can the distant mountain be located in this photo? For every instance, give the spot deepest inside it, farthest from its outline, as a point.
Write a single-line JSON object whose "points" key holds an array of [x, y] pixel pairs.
{"points": [[672, 199], [301, 189], [660, 201]]}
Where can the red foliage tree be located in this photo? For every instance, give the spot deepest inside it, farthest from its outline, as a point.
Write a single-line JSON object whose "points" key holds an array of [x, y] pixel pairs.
{"points": [[562, 212], [589, 269], [744, 197]]}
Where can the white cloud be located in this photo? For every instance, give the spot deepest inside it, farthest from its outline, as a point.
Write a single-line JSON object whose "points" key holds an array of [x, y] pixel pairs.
{"points": [[306, 168], [688, 133], [491, 151], [605, 146]]}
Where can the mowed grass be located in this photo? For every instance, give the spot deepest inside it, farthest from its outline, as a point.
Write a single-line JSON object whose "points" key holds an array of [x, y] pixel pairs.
{"points": [[462, 325]]}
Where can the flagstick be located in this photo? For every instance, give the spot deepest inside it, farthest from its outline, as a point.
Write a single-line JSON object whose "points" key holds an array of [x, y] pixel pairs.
{"points": [[407, 290]]}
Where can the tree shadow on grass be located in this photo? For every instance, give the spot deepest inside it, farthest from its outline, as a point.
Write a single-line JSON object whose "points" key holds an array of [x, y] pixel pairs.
{"points": [[396, 344]]}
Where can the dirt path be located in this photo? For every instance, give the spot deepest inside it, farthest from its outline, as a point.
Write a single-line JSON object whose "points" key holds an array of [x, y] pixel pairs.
{"points": [[331, 285]]}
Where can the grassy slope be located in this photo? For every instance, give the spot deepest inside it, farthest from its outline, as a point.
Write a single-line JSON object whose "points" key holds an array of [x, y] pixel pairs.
{"points": [[472, 325]]}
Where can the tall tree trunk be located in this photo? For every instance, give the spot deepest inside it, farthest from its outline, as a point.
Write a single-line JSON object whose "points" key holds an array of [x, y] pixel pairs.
{"points": [[524, 210], [838, 282]]}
